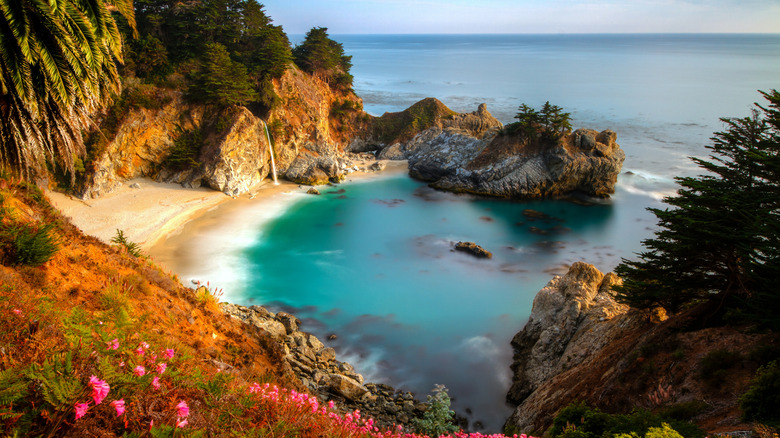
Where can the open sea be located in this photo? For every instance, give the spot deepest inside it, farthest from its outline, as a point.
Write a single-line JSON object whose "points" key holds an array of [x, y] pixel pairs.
{"points": [[373, 264]]}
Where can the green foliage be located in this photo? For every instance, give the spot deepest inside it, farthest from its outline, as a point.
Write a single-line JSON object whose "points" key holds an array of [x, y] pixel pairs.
{"points": [[719, 244], [28, 244], [132, 248], [760, 402], [221, 80], [148, 58], [13, 387], [185, 151], [665, 431], [437, 420], [578, 420], [58, 66], [320, 55], [548, 124], [259, 50], [56, 381]]}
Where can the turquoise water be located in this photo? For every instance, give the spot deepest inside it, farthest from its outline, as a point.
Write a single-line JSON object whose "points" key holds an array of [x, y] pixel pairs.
{"points": [[374, 264]]}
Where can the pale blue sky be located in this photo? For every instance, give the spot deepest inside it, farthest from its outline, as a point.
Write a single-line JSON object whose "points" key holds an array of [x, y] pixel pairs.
{"points": [[526, 16]]}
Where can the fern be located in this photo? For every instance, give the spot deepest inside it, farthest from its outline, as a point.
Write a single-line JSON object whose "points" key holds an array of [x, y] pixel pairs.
{"points": [[13, 387], [57, 382]]}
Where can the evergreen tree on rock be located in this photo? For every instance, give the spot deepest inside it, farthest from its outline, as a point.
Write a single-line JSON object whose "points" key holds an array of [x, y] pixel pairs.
{"points": [[321, 56]]}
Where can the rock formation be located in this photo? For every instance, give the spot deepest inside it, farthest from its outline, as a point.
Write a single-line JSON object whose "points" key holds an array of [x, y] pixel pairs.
{"points": [[584, 161], [473, 249], [308, 139], [579, 344], [569, 323], [322, 374]]}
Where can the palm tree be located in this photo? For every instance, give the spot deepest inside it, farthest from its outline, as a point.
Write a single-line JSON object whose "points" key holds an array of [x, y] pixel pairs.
{"points": [[58, 65]]}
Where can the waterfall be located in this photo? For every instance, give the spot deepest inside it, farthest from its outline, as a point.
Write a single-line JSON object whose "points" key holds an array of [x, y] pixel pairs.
{"points": [[270, 149]]}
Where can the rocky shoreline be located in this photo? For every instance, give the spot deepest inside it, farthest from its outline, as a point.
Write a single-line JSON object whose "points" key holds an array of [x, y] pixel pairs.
{"points": [[318, 370]]}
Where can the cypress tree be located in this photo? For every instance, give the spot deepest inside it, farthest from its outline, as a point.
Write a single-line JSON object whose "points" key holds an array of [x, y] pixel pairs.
{"points": [[221, 80], [718, 244]]}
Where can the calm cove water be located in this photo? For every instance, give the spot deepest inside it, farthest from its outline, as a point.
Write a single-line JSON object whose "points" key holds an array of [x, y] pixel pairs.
{"points": [[373, 264]]}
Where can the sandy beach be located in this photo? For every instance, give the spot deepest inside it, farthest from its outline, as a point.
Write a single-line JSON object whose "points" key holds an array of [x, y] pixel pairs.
{"points": [[177, 226]]}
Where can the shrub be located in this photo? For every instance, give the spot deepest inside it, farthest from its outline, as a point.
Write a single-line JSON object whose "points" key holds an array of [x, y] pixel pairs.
{"points": [[26, 244], [578, 420], [761, 400], [714, 366], [437, 420]]}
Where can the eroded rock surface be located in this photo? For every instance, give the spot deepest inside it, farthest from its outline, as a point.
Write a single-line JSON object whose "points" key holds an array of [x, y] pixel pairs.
{"points": [[585, 161]]}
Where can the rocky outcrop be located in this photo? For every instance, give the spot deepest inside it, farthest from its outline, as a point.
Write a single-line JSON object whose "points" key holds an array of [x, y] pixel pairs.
{"points": [[308, 139], [323, 375], [572, 319], [473, 249], [580, 345], [507, 165], [233, 158], [396, 136], [143, 139]]}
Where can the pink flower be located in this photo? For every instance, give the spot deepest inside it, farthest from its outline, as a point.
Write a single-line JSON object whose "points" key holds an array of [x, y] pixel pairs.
{"points": [[182, 409], [161, 367], [156, 382], [99, 389], [122, 363], [181, 422], [119, 405], [113, 344], [81, 410], [168, 353], [139, 351], [18, 312], [139, 370]]}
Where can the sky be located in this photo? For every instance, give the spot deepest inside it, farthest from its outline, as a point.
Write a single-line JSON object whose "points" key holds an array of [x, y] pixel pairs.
{"points": [[526, 16]]}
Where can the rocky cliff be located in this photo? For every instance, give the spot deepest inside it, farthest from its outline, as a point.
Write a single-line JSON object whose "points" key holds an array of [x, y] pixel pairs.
{"points": [[507, 165], [579, 344], [310, 127]]}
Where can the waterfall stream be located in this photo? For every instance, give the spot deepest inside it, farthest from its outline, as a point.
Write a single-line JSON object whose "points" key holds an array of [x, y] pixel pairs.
{"points": [[271, 150]]}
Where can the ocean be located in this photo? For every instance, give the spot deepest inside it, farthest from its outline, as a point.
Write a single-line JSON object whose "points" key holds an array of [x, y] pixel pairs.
{"points": [[373, 263]]}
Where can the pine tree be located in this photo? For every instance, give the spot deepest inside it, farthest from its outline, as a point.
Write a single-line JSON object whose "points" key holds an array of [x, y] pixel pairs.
{"points": [[718, 244]]}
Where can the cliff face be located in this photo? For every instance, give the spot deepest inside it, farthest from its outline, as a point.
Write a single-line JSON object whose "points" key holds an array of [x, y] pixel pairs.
{"points": [[308, 138], [581, 345], [584, 161]]}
